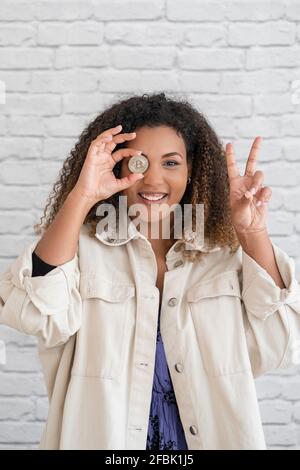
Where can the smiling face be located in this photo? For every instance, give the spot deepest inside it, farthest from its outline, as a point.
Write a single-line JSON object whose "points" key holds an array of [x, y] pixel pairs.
{"points": [[165, 173]]}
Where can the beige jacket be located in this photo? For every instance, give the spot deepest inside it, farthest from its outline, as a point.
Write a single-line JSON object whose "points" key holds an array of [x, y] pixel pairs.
{"points": [[223, 323]]}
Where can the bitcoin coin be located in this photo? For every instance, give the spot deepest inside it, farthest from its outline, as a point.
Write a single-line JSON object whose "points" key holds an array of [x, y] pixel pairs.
{"points": [[138, 164]]}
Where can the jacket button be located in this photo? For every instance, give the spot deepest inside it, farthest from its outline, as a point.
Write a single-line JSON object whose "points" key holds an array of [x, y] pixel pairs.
{"points": [[179, 367], [178, 263], [193, 430], [173, 301]]}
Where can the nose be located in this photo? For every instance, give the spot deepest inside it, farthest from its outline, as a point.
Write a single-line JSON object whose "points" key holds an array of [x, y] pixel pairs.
{"points": [[153, 176]]}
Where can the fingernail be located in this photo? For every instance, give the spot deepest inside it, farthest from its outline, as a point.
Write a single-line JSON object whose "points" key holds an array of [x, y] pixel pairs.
{"points": [[258, 203], [253, 190], [248, 194]]}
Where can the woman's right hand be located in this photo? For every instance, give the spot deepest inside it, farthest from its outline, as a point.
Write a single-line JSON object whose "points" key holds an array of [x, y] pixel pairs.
{"points": [[97, 180]]}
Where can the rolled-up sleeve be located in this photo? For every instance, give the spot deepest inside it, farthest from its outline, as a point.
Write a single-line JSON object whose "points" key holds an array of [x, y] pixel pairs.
{"points": [[272, 314], [48, 306]]}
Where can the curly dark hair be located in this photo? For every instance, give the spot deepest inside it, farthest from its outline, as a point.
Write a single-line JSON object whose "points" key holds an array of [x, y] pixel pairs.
{"points": [[209, 179]]}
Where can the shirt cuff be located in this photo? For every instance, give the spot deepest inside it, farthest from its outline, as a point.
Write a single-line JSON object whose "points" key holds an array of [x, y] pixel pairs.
{"points": [[260, 294], [50, 293]]}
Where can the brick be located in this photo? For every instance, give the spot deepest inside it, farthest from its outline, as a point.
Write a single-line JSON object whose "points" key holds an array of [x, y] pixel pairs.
{"points": [[17, 35], [16, 198], [258, 57], [12, 336], [20, 147], [42, 408], [23, 125], [143, 58], [20, 432], [282, 435], [69, 57], [66, 126], [83, 103], [159, 34], [188, 10], [64, 10], [281, 223], [62, 81], [296, 412], [21, 11], [26, 58], [291, 199], [291, 149], [212, 105], [290, 125], [254, 10], [278, 412], [16, 222], [272, 103], [205, 35], [200, 82], [22, 359], [16, 80], [16, 409], [57, 148], [291, 246], [210, 59], [272, 33], [118, 10], [293, 10], [77, 33], [268, 388], [264, 81], [263, 126], [13, 172], [22, 384], [27, 104]]}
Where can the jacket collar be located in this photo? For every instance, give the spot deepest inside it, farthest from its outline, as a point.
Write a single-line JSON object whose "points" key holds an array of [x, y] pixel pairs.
{"points": [[110, 238]]}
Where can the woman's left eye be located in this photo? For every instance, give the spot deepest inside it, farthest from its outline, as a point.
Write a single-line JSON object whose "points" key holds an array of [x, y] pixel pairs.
{"points": [[171, 161]]}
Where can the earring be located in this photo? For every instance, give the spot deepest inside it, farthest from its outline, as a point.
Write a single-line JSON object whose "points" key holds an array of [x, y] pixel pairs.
{"points": [[189, 180]]}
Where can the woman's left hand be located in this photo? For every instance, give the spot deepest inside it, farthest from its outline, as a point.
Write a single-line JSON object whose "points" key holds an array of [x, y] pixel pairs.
{"points": [[248, 197]]}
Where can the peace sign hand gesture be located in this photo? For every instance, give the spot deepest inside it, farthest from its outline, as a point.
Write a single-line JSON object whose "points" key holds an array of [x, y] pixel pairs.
{"points": [[248, 197]]}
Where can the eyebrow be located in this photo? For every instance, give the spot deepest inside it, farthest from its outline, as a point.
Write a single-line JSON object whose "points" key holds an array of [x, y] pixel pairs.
{"points": [[170, 154]]}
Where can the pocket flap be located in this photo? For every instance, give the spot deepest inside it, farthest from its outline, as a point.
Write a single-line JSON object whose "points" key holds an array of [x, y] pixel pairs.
{"points": [[223, 284], [98, 287]]}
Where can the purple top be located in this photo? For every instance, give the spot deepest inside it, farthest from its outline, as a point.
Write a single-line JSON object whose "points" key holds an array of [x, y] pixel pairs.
{"points": [[165, 430]]}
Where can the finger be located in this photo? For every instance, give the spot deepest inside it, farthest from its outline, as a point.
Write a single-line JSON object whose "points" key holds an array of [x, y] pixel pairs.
{"points": [[251, 162], [108, 134], [127, 181], [118, 139], [256, 184], [263, 196], [232, 168], [125, 152]]}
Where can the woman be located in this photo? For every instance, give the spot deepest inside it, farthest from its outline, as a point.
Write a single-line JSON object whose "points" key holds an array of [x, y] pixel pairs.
{"points": [[147, 341]]}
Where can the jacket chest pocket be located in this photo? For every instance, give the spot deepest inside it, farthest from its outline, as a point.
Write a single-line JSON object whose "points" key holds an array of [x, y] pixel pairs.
{"points": [[103, 339], [217, 314]]}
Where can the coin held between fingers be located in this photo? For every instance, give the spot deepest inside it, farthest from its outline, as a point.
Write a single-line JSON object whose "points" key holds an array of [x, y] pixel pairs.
{"points": [[138, 164]]}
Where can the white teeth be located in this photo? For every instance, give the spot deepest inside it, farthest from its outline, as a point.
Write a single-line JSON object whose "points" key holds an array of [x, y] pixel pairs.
{"points": [[152, 197]]}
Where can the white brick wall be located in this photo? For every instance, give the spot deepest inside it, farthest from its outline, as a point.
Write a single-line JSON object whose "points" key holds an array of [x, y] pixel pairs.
{"points": [[64, 61]]}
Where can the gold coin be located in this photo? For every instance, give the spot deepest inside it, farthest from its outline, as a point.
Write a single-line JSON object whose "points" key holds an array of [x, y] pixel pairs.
{"points": [[138, 164]]}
